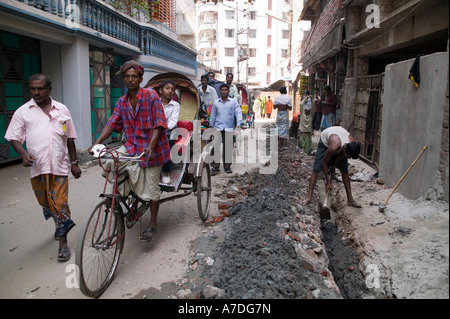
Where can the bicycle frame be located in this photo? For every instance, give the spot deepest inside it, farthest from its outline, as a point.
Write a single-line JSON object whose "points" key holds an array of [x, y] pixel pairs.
{"points": [[113, 155]]}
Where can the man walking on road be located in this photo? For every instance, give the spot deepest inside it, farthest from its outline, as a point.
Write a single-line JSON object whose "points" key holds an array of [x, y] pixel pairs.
{"points": [[336, 145], [224, 114], [47, 128]]}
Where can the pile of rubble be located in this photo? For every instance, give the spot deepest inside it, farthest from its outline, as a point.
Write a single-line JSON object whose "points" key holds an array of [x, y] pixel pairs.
{"points": [[264, 243]]}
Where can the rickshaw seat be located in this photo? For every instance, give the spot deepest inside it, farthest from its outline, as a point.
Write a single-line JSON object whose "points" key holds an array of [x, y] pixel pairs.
{"points": [[189, 126]]}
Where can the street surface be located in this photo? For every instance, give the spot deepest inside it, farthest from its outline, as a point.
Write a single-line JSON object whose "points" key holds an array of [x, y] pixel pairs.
{"points": [[28, 251]]}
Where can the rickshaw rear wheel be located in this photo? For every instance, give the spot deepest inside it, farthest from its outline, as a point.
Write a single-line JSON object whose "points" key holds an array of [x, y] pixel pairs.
{"points": [[204, 192]]}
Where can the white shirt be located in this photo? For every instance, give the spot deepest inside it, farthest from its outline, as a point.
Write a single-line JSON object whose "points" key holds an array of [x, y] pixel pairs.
{"points": [[46, 137], [282, 99], [209, 96], [341, 132], [172, 111]]}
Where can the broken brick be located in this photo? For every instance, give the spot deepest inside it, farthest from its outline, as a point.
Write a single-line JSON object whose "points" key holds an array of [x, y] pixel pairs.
{"points": [[224, 213], [224, 206], [218, 219]]}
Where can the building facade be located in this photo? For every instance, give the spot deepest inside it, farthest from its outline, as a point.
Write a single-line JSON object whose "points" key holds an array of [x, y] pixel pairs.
{"points": [[80, 45], [353, 45], [254, 40]]}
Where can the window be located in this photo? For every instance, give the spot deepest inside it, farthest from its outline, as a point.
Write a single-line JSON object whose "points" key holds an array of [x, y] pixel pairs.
{"points": [[229, 51], [229, 70], [229, 33], [269, 59], [284, 53], [229, 14], [268, 78], [285, 34], [269, 5], [252, 53], [282, 72], [269, 22], [269, 41], [251, 71], [252, 33], [252, 15]]}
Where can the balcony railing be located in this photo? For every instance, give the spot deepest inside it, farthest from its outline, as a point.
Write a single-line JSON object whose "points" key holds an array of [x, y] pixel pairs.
{"points": [[101, 18]]}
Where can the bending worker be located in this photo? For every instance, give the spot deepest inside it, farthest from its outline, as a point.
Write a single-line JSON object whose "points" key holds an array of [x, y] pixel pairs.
{"points": [[335, 147]]}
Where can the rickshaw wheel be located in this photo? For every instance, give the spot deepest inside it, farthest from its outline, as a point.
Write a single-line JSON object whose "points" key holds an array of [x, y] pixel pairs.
{"points": [[204, 192]]}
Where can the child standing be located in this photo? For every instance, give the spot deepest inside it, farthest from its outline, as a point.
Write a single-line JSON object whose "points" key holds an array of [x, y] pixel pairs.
{"points": [[171, 110]]}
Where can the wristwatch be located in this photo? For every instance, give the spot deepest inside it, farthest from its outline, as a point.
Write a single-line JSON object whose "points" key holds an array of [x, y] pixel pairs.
{"points": [[74, 162]]}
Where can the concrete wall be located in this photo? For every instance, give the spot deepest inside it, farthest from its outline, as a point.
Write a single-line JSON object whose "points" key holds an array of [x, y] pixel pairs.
{"points": [[412, 118]]}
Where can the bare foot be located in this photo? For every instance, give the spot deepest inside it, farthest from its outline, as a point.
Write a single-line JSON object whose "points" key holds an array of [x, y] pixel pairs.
{"points": [[354, 204], [306, 202]]}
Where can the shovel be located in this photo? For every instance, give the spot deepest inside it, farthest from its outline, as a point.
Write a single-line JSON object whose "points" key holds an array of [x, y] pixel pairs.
{"points": [[325, 209], [383, 206]]}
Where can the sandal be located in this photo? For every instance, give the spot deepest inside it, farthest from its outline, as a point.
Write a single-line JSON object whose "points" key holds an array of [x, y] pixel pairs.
{"points": [[148, 234], [63, 254]]}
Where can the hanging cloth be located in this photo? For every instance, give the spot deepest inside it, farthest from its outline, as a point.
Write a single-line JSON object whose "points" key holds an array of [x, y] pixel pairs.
{"points": [[414, 73]]}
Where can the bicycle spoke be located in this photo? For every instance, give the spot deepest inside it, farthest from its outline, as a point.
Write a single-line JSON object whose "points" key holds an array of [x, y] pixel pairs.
{"points": [[100, 244]]}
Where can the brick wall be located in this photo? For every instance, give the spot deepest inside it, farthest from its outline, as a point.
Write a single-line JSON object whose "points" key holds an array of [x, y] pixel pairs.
{"points": [[328, 19]]}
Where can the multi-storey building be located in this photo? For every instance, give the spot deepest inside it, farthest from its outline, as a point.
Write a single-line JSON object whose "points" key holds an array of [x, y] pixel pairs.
{"points": [[254, 40]]}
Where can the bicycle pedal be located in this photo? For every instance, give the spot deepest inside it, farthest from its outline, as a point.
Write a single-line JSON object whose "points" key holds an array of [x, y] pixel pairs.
{"points": [[141, 210]]}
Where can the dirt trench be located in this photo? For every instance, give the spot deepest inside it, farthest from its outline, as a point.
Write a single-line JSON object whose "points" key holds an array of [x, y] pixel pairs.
{"points": [[271, 246]]}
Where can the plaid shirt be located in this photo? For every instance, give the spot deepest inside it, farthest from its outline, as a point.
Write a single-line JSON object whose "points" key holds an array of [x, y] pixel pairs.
{"points": [[139, 127]]}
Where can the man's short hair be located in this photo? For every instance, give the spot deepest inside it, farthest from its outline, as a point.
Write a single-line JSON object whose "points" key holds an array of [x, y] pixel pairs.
{"points": [[283, 90], [224, 85], [40, 76], [353, 149], [204, 76]]}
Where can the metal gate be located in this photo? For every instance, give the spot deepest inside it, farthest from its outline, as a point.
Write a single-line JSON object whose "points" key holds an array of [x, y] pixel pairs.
{"points": [[20, 57], [368, 116], [106, 88]]}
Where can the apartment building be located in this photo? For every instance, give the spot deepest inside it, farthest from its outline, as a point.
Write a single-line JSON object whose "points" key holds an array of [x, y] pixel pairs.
{"points": [[254, 40]]}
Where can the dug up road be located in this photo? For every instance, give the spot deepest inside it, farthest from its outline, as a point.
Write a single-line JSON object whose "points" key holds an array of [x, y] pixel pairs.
{"points": [[260, 242], [270, 246]]}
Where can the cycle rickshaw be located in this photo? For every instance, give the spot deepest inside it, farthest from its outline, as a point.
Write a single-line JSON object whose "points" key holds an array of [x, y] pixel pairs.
{"points": [[101, 239]]}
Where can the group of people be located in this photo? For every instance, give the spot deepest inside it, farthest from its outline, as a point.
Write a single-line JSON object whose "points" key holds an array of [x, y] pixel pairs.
{"points": [[315, 114], [263, 106], [147, 118]]}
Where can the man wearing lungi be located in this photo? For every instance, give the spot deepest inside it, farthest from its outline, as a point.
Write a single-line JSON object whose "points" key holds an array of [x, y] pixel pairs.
{"points": [[336, 145], [46, 127], [284, 105], [140, 114]]}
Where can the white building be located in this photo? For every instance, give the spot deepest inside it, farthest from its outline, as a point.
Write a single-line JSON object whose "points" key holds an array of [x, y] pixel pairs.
{"points": [[258, 41]]}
